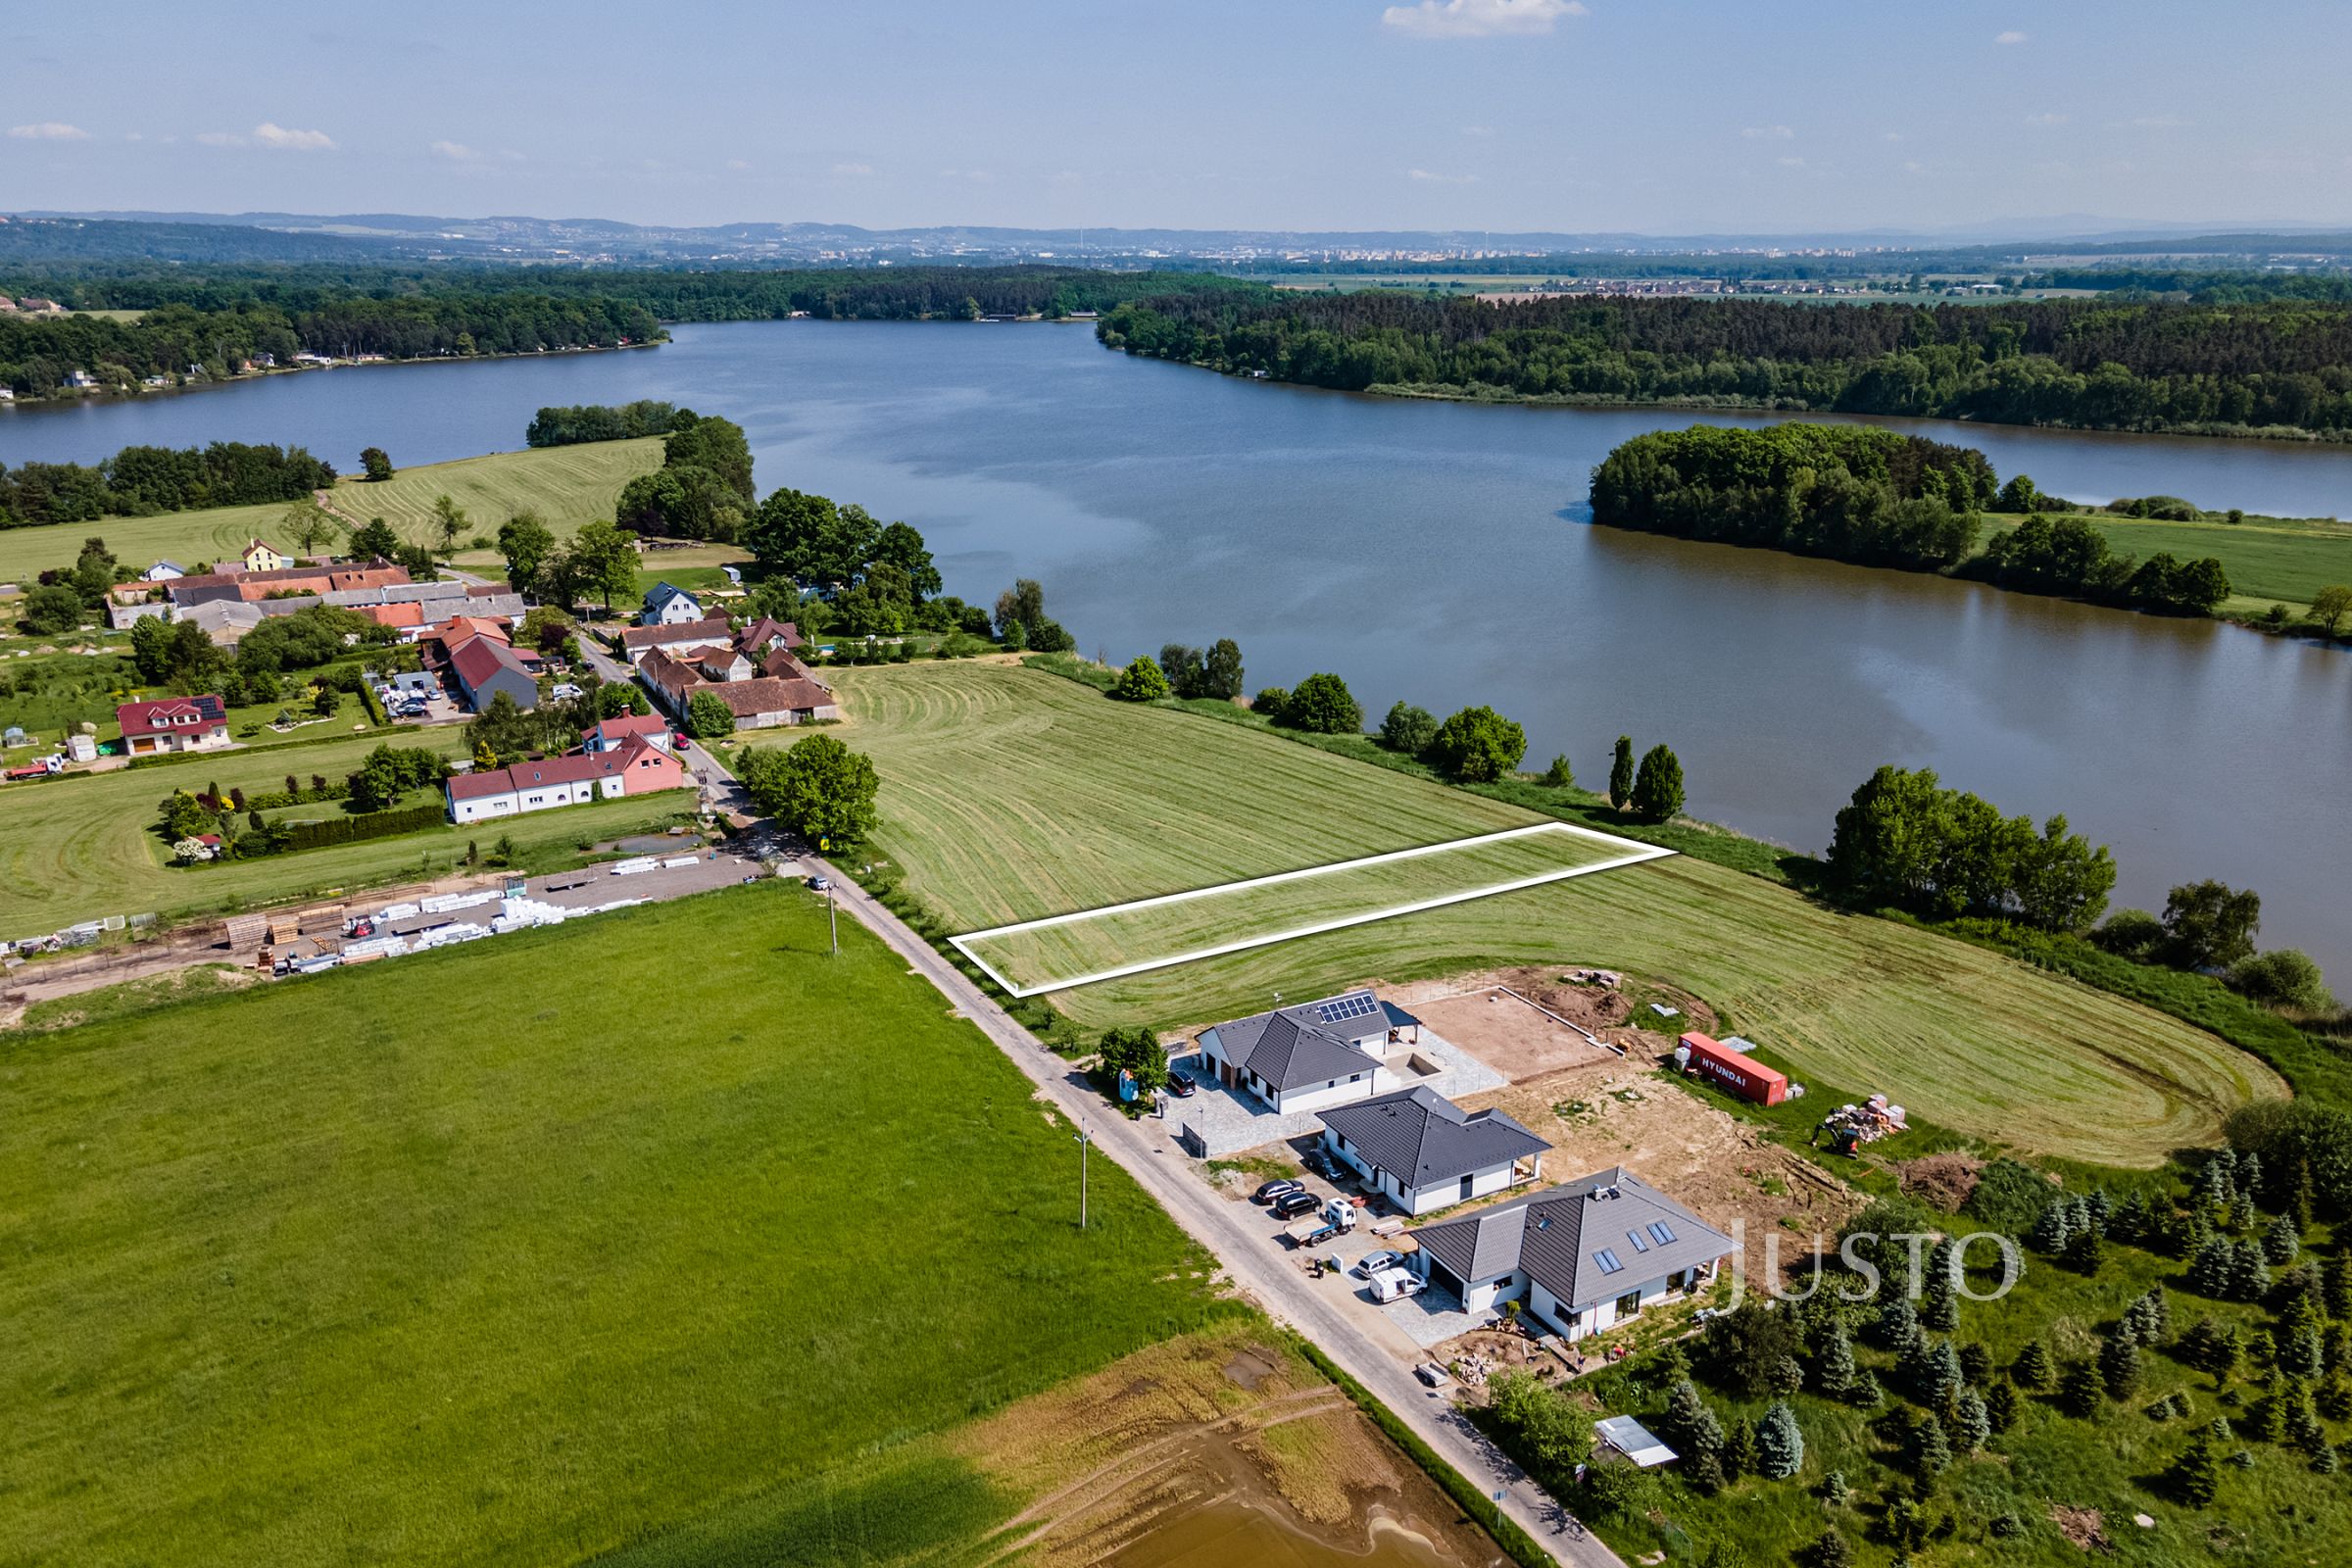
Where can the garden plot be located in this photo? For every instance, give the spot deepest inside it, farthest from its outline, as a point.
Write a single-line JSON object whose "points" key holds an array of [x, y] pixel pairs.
{"points": [[1062, 951]]}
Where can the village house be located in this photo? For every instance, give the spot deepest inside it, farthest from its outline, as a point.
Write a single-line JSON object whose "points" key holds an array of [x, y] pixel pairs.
{"points": [[1422, 1151], [611, 734], [484, 666], [260, 556], [163, 572], [638, 641], [168, 725], [1314, 1054], [761, 703], [1580, 1257], [636, 766], [668, 606]]}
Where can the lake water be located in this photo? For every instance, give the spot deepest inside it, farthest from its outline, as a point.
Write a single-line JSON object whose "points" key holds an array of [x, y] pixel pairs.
{"points": [[1441, 553]]}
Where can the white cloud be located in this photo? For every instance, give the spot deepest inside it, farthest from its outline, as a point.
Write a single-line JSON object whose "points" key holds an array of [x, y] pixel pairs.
{"points": [[2046, 118], [219, 138], [459, 152], [269, 134], [1428, 177], [2011, 36], [1769, 133], [854, 171], [1479, 18], [49, 131], [1791, 163]]}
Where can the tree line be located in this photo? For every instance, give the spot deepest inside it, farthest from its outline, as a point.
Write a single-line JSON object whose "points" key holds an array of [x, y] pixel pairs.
{"points": [[1876, 498], [142, 480], [600, 422], [2129, 364], [214, 342]]}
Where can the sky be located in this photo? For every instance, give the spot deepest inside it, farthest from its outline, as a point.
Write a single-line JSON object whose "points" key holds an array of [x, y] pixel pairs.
{"points": [[1662, 117]]}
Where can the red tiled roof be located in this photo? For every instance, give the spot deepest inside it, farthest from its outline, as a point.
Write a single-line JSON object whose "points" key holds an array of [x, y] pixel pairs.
{"points": [[767, 695], [766, 630], [713, 629], [478, 658], [170, 715], [628, 725], [403, 614]]}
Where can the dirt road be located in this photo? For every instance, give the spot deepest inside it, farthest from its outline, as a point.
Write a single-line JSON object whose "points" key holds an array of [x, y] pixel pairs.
{"points": [[1146, 1151]]}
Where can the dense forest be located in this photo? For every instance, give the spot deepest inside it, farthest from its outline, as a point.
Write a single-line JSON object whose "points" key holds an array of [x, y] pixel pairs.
{"points": [[1879, 499], [139, 481], [2135, 365], [211, 341]]}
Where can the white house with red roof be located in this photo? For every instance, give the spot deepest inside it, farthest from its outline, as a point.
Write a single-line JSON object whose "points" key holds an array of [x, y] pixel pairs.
{"points": [[168, 725], [611, 734], [635, 766]]}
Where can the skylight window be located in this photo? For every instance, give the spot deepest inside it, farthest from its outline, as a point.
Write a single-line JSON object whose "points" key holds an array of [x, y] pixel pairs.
{"points": [[1635, 1236], [1661, 1232], [1609, 1261]]}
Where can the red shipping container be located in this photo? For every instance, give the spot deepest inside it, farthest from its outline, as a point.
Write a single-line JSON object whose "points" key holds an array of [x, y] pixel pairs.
{"points": [[1750, 1080]]}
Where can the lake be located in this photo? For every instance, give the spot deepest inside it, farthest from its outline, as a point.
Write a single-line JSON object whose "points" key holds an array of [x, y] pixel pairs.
{"points": [[1443, 553]]}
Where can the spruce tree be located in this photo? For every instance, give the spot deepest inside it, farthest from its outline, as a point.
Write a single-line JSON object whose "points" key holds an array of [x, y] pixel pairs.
{"points": [[2249, 1272], [1831, 1551], [1927, 1448], [1739, 1449], [1779, 1444], [1658, 787], [1690, 1423], [2118, 1366], [2085, 1252], [2194, 1477], [1834, 1364], [2336, 1282], [1939, 1307], [2211, 1270], [2082, 1391], [2051, 1231], [1833, 1488], [2281, 1241], [1896, 1327], [1975, 1364], [1971, 1422], [2032, 1370], [2000, 1406]]}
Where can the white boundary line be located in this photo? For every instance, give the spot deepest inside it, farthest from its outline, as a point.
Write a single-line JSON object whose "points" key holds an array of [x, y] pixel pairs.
{"points": [[1635, 856]]}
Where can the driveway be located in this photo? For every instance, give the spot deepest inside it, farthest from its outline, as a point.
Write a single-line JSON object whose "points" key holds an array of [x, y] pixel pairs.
{"points": [[1332, 1312]]}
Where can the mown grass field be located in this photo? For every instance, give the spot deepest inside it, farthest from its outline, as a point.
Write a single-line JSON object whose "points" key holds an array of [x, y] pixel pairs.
{"points": [[1063, 953], [661, 1217], [566, 486], [81, 847], [1010, 793], [2270, 560]]}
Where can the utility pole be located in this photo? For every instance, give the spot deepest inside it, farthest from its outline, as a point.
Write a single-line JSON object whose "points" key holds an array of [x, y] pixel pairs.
{"points": [[832, 922], [1083, 1141]]}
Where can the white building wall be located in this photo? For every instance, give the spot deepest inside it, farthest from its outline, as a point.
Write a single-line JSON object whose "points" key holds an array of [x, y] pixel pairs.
{"points": [[1315, 1097]]}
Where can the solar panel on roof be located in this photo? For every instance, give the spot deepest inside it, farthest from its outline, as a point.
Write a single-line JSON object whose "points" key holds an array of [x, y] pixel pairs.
{"points": [[1659, 1229], [1355, 1006], [1609, 1262]]}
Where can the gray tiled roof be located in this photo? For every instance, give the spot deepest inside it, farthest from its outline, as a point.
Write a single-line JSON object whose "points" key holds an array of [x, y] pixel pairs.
{"points": [[1557, 1236], [1420, 1137], [1296, 1046]]}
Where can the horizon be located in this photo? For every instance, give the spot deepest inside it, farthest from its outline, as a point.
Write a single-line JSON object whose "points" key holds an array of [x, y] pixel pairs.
{"points": [[1549, 116]]}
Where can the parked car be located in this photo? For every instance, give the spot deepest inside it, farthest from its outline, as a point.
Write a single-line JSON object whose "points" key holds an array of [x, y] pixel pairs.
{"points": [[1372, 1264], [1279, 1188], [1289, 1206], [1180, 1086], [1395, 1285], [818, 884], [681, 740]]}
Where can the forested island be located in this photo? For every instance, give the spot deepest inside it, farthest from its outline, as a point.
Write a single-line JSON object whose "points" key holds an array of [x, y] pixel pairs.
{"points": [[1877, 498], [2270, 367]]}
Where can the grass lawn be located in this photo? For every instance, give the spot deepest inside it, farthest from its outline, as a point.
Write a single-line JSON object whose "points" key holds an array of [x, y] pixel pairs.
{"points": [[694, 1223], [2268, 560], [566, 486], [2277, 1511], [77, 848], [1010, 793], [48, 694]]}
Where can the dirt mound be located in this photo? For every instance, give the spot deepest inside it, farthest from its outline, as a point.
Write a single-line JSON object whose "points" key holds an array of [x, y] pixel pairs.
{"points": [[1944, 1180], [1619, 1014], [2085, 1527]]}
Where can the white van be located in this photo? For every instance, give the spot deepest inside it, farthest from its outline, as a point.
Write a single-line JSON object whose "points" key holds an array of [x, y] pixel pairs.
{"points": [[1395, 1285]]}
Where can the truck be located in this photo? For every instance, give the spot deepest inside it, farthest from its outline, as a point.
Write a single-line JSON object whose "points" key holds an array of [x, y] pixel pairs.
{"points": [[1334, 1218]]}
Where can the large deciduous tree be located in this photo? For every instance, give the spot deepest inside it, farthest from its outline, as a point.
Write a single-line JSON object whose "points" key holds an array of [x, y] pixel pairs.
{"points": [[820, 788], [1322, 704]]}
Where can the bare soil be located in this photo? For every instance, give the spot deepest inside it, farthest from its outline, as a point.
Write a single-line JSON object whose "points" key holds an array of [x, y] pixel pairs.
{"points": [[1618, 1014], [1943, 1179], [1510, 1034]]}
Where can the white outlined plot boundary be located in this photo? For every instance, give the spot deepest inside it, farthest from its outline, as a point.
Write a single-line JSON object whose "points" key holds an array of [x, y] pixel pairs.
{"points": [[1633, 854]]}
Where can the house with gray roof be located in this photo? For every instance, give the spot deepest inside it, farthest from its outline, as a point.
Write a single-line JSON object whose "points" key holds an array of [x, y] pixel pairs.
{"points": [[1422, 1151], [1583, 1256], [1314, 1054]]}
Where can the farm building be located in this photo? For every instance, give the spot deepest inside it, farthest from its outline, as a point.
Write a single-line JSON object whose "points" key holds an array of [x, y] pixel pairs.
{"points": [[1422, 1151], [1711, 1059], [667, 606], [1314, 1054], [1583, 1258], [760, 703], [639, 641], [636, 766], [168, 724], [483, 667]]}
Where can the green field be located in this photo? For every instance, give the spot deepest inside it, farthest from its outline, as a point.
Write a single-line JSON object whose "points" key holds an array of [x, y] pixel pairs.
{"points": [[566, 486], [662, 1233], [1058, 953], [2268, 560], [81, 847], [1010, 794]]}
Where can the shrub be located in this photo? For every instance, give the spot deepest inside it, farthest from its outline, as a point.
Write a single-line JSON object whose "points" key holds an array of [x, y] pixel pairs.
{"points": [[1270, 700], [1478, 746], [1142, 681], [1322, 704], [1658, 787], [708, 716], [2282, 978], [1409, 729]]}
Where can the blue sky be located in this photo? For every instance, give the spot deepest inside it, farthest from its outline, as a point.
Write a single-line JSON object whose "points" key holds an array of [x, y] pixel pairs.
{"points": [[1658, 116]]}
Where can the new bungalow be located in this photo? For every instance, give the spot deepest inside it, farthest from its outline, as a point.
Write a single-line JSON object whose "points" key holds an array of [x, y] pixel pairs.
{"points": [[639, 641], [168, 725], [1580, 1257], [1422, 1151], [636, 766], [483, 667], [668, 606], [1310, 1056]]}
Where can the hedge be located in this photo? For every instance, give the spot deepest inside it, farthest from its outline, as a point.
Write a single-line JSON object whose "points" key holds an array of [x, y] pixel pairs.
{"points": [[354, 829]]}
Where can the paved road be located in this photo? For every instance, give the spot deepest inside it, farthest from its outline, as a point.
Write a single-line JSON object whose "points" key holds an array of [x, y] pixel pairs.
{"points": [[1147, 1150], [720, 790]]}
